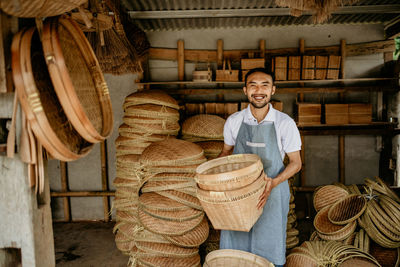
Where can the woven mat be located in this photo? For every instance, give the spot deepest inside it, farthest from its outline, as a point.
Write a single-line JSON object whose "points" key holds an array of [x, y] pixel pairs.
{"points": [[204, 125], [156, 97]]}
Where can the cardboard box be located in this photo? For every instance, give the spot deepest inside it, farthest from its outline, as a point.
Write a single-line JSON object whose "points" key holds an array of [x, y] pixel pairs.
{"points": [[337, 114], [360, 113], [308, 114]]}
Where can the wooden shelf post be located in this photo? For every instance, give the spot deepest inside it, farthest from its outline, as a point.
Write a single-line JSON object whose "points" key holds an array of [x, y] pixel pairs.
{"points": [[342, 152], [104, 180], [181, 61], [64, 188]]}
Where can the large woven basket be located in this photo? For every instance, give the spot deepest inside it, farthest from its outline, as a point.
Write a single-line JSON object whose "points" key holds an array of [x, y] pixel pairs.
{"points": [[152, 111], [327, 195], [228, 173], [235, 258], [204, 125], [347, 209], [146, 260], [193, 238], [235, 209], [156, 97], [165, 249], [39, 8], [77, 78], [39, 101]]}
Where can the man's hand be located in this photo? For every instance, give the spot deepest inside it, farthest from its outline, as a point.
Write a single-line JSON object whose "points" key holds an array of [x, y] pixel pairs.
{"points": [[263, 198]]}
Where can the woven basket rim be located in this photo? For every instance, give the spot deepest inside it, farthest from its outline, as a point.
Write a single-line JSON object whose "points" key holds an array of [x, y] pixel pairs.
{"points": [[204, 125], [239, 254], [156, 97], [193, 238], [324, 212], [328, 188], [336, 206]]}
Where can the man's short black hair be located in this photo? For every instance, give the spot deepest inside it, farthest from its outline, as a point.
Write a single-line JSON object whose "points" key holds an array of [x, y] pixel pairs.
{"points": [[263, 70]]}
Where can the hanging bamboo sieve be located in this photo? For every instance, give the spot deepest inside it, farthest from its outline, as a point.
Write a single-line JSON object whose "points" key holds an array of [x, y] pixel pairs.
{"points": [[39, 101], [235, 209], [235, 258], [347, 209], [229, 172], [327, 195], [77, 78], [39, 8]]}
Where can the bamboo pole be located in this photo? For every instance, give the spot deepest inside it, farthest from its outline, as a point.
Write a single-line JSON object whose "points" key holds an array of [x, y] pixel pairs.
{"points": [[64, 189], [83, 194], [181, 60], [104, 179]]}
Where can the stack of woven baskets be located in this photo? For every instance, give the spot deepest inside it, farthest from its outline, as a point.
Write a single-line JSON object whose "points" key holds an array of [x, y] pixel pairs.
{"points": [[150, 116], [171, 219], [207, 131], [235, 258], [292, 233], [229, 189]]}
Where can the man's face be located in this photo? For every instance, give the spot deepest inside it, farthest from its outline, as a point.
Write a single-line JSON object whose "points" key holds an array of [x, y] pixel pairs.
{"points": [[259, 89]]}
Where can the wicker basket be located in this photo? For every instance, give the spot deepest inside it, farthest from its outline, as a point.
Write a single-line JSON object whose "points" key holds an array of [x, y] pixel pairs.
{"points": [[235, 258], [327, 195], [235, 209], [165, 249], [193, 238], [229, 173], [205, 126], [347, 209], [39, 101], [146, 260], [156, 97], [153, 111], [39, 8], [77, 78]]}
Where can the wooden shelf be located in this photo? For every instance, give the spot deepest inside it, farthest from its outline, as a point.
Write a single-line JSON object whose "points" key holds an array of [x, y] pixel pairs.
{"points": [[375, 128]]}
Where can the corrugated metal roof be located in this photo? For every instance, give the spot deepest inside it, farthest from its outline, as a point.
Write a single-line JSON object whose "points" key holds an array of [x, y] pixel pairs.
{"points": [[153, 15]]}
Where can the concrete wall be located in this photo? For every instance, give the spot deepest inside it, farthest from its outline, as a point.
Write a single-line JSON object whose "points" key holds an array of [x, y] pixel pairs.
{"points": [[321, 151]]}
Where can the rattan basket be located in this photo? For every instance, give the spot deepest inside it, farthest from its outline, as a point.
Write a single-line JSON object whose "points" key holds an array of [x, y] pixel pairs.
{"points": [[155, 97], [387, 257], [39, 8], [193, 238], [156, 186], [39, 101], [153, 111], [165, 250], [327, 195], [181, 197], [348, 209], [204, 125], [235, 258], [146, 260], [229, 172], [77, 78], [235, 209]]}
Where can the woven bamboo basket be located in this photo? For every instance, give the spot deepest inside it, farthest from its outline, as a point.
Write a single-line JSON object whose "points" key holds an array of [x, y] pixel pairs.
{"points": [[229, 173], [39, 8], [387, 257], [358, 262], [165, 250], [347, 209], [184, 198], [204, 125], [192, 238], [164, 128], [300, 259], [156, 97], [385, 227], [235, 258], [211, 147], [235, 209], [39, 101], [149, 261], [77, 78], [152, 111], [327, 195], [128, 150], [156, 186]]}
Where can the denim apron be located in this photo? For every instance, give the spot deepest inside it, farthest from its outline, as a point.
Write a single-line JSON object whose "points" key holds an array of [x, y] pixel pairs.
{"points": [[267, 238]]}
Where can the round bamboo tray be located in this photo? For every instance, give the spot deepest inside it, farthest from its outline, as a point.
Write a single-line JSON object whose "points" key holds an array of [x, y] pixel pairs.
{"points": [[165, 250], [193, 238], [77, 78], [348, 209], [235, 209], [156, 97], [181, 197], [146, 260], [235, 258], [229, 173], [204, 125], [327, 195], [39, 8], [155, 186], [153, 111], [39, 102]]}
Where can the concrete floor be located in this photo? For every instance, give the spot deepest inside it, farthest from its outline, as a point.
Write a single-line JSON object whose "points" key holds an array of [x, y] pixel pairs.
{"points": [[86, 244]]}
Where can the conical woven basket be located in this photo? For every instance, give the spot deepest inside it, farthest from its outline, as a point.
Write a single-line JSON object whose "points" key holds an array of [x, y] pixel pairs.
{"points": [[78, 79], [39, 101], [39, 8], [193, 238], [235, 258], [229, 173], [167, 128], [155, 97], [153, 111], [204, 125], [235, 209], [348, 209], [211, 146], [327, 195]]}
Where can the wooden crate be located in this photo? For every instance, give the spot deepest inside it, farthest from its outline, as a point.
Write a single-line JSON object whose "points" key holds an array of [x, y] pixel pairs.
{"points": [[321, 65], [202, 76], [308, 67], [308, 114], [279, 66], [360, 113], [337, 114], [333, 67], [294, 68], [251, 63]]}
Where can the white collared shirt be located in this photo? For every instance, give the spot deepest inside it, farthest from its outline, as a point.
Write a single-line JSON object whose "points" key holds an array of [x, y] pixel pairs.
{"points": [[287, 134]]}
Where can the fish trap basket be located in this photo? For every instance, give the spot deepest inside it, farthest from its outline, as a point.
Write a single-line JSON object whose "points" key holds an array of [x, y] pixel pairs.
{"points": [[347, 209], [155, 97], [39, 102], [327, 195], [235, 258], [78, 79], [39, 8], [229, 173], [235, 209], [205, 126]]}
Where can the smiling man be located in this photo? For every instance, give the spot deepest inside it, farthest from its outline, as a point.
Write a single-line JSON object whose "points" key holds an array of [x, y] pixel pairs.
{"points": [[260, 129]]}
